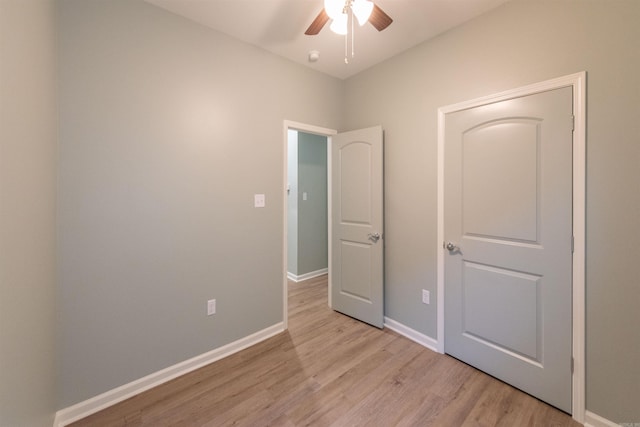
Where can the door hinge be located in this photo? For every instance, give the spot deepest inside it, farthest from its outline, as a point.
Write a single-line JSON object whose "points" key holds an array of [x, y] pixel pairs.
{"points": [[573, 123], [573, 240], [572, 364]]}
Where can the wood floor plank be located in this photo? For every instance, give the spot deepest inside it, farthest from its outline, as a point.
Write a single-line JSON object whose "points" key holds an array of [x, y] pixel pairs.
{"points": [[328, 369]]}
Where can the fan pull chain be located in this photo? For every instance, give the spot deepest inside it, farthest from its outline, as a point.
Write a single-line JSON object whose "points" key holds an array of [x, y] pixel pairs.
{"points": [[346, 49], [353, 35], [346, 39]]}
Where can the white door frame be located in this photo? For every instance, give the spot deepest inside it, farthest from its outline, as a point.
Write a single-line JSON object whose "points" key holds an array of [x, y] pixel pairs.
{"points": [[317, 130], [578, 83]]}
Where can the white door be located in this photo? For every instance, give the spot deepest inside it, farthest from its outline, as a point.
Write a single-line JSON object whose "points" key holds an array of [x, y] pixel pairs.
{"points": [[508, 241], [357, 248]]}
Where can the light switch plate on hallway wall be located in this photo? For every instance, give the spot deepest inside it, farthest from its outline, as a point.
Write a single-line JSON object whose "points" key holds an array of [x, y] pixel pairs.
{"points": [[426, 296]]}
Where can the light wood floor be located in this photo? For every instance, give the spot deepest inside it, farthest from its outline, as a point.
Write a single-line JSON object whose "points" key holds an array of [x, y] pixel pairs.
{"points": [[331, 370]]}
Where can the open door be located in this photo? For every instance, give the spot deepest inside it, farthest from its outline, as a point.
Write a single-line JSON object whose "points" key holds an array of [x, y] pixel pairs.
{"points": [[357, 272]]}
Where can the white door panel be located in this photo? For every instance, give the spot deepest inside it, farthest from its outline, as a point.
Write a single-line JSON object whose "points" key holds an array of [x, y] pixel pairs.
{"points": [[508, 209], [357, 217], [501, 174]]}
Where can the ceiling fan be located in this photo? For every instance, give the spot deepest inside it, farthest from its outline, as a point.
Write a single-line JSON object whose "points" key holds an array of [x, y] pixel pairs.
{"points": [[338, 11]]}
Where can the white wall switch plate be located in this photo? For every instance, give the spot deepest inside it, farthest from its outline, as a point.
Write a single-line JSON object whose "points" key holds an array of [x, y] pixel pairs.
{"points": [[211, 307], [259, 201], [426, 296], [304, 195]]}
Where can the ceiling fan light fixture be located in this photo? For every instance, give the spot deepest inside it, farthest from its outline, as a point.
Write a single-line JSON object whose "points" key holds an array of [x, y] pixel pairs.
{"points": [[340, 24], [362, 10]]}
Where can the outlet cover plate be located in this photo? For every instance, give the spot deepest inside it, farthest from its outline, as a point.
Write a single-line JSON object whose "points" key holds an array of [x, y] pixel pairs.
{"points": [[259, 200], [211, 307]]}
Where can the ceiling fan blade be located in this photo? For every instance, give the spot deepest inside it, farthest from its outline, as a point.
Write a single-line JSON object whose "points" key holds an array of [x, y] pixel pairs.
{"points": [[317, 23], [379, 19]]}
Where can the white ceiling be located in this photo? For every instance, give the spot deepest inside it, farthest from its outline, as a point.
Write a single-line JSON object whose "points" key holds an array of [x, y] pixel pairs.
{"points": [[279, 25]]}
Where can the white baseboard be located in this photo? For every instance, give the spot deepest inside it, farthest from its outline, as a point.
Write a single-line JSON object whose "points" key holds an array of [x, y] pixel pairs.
{"points": [[412, 334], [593, 420], [83, 409], [307, 276]]}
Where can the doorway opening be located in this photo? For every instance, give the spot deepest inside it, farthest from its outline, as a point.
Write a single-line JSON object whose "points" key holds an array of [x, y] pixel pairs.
{"points": [[307, 213], [297, 198]]}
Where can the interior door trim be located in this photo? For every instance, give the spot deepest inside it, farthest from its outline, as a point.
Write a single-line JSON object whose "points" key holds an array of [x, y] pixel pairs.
{"points": [[317, 130], [578, 82]]}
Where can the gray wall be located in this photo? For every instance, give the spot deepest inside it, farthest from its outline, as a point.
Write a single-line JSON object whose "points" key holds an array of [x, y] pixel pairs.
{"points": [[27, 212], [520, 43], [312, 213], [167, 129]]}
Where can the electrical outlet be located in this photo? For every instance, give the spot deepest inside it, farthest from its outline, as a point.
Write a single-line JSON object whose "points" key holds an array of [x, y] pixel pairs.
{"points": [[211, 307], [259, 200], [426, 297]]}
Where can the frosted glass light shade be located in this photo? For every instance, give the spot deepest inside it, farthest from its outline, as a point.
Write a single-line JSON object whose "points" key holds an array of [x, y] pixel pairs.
{"points": [[362, 10], [334, 8], [339, 24]]}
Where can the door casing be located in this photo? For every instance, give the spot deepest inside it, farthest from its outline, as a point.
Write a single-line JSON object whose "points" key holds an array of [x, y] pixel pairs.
{"points": [[578, 83]]}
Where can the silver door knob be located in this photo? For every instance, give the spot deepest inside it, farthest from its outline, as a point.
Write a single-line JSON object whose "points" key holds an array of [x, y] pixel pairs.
{"points": [[374, 237], [451, 247]]}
